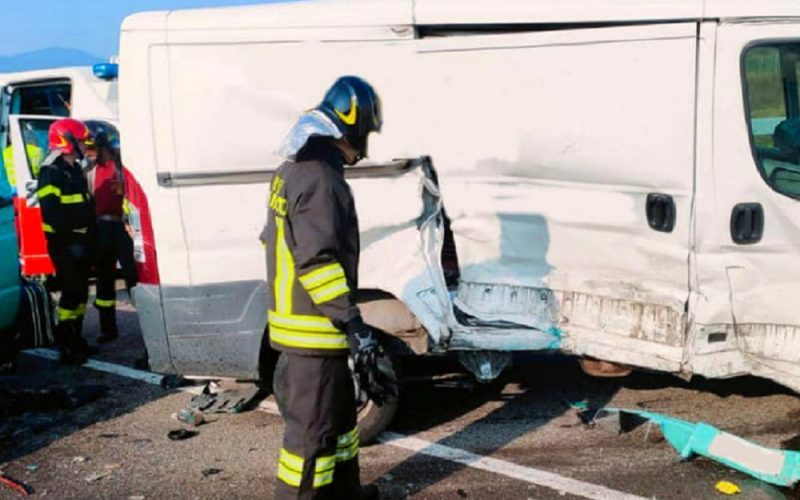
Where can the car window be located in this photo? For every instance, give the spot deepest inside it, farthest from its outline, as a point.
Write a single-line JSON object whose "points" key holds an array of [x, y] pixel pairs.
{"points": [[771, 74]]}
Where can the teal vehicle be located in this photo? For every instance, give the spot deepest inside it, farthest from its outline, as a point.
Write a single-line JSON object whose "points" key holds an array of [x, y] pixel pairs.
{"points": [[10, 280]]}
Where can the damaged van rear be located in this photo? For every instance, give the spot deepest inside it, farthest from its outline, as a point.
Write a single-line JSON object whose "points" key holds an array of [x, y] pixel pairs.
{"points": [[616, 179]]}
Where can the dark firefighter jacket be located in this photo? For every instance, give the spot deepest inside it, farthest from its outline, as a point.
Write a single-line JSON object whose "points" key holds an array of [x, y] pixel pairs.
{"points": [[67, 208], [312, 243]]}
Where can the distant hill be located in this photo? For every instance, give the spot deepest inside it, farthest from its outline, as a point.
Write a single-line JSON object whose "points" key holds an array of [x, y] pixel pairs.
{"points": [[47, 58]]}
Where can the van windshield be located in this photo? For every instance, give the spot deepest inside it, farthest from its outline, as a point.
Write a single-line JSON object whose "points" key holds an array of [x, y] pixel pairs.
{"points": [[771, 75]]}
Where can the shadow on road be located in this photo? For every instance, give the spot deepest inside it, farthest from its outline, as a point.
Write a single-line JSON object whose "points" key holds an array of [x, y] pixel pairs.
{"points": [[43, 401], [526, 398]]}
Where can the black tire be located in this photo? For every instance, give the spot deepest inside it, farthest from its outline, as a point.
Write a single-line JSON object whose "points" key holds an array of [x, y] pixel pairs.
{"points": [[372, 419]]}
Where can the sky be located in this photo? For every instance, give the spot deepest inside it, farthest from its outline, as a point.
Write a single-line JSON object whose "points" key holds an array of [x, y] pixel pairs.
{"points": [[91, 26]]}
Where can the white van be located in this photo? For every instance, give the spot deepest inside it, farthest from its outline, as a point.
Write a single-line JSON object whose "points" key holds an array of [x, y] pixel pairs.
{"points": [[614, 179]]}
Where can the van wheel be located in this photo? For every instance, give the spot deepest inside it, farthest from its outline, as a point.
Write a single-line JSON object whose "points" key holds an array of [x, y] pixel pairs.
{"points": [[372, 419]]}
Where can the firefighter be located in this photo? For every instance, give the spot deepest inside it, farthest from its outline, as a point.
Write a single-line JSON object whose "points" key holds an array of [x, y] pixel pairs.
{"points": [[67, 220], [112, 242], [312, 242]]}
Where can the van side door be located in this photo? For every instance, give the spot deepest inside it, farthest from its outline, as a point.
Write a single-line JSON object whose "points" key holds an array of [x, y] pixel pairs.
{"points": [[751, 243]]}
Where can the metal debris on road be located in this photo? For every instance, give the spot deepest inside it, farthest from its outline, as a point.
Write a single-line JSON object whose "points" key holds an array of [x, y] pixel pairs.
{"points": [[18, 486], [79, 460], [727, 488], [191, 417], [225, 400], [778, 467], [96, 476], [210, 472], [181, 434], [31, 467]]}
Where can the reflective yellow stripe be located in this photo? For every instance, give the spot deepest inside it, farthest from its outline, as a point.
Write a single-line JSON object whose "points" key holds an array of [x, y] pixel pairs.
{"points": [[48, 191], [47, 228], [299, 322], [284, 271], [69, 199], [349, 453], [325, 463], [348, 438], [323, 478], [291, 338], [81, 309], [322, 275], [68, 314], [347, 446], [288, 476], [81, 230], [329, 292], [294, 462], [104, 303]]}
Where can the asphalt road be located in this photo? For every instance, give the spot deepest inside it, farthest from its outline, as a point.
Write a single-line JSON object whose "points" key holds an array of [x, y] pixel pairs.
{"points": [[116, 447]]}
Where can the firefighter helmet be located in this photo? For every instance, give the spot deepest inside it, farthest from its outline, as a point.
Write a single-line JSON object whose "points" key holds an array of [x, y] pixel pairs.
{"points": [[65, 134], [105, 134], [355, 108]]}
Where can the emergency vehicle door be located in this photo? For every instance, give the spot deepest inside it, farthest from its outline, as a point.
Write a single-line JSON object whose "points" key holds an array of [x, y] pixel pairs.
{"points": [[756, 145], [29, 149]]}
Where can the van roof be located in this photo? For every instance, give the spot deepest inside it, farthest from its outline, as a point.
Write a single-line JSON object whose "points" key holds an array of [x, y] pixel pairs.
{"points": [[345, 13]]}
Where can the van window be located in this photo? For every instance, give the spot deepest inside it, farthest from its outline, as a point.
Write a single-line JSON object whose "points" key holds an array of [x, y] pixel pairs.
{"points": [[34, 135], [51, 99], [771, 74]]}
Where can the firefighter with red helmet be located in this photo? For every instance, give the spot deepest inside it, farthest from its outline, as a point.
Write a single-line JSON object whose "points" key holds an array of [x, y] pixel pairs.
{"points": [[312, 242], [67, 220]]}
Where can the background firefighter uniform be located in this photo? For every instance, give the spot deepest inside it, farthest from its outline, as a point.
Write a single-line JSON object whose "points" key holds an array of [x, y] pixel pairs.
{"points": [[312, 243], [112, 241], [67, 216]]}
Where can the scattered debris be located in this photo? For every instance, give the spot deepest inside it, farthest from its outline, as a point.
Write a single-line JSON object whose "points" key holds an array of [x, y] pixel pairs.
{"points": [[191, 417], [79, 460], [461, 493], [31, 467], [96, 476], [181, 434], [778, 467], [728, 488], [109, 435], [238, 398], [18, 486], [210, 472]]}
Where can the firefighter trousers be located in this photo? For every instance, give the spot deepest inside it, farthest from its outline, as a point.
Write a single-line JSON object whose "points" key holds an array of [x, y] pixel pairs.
{"points": [[112, 245], [319, 458], [72, 261]]}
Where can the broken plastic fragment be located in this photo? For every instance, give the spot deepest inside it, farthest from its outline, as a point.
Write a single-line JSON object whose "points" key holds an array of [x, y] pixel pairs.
{"points": [[728, 488], [779, 467]]}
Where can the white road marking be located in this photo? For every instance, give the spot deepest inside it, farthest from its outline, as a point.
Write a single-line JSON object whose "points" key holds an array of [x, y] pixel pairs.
{"points": [[503, 468], [494, 465], [102, 366]]}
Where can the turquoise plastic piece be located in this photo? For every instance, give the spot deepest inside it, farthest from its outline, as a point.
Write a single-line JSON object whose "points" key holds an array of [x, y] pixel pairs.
{"points": [[778, 467]]}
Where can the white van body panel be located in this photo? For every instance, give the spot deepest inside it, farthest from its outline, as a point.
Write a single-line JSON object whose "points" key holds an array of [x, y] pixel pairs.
{"points": [[547, 145]]}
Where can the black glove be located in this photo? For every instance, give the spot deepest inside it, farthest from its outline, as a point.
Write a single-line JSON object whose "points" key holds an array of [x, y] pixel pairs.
{"points": [[365, 353]]}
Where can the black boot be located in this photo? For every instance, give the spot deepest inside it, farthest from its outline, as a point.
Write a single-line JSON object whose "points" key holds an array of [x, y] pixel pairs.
{"points": [[108, 324], [71, 348]]}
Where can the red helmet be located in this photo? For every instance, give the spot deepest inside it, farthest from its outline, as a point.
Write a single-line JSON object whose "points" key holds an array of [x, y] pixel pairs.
{"points": [[65, 134]]}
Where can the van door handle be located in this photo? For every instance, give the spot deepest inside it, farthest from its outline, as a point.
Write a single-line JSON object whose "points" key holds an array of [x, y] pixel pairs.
{"points": [[661, 212], [747, 223]]}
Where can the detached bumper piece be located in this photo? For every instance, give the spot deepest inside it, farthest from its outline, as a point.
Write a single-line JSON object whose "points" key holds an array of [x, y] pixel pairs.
{"points": [[778, 467]]}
